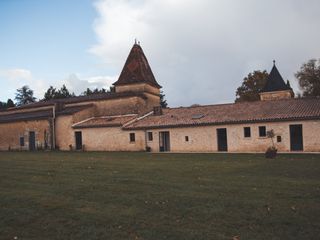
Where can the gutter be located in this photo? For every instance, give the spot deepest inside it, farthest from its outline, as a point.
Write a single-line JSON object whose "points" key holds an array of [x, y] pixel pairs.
{"points": [[53, 147]]}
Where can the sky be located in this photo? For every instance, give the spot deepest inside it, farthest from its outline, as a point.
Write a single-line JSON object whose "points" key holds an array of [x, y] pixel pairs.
{"points": [[199, 50]]}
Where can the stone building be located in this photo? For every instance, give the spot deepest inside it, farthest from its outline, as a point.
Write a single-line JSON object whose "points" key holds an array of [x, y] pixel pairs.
{"points": [[130, 119]]}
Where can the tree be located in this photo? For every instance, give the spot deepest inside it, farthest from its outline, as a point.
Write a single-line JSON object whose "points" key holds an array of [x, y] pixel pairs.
{"points": [[10, 103], [94, 91], [251, 86], [64, 92], [3, 105], [24, 96], [309, 78], [53, 93], [163, 101]]}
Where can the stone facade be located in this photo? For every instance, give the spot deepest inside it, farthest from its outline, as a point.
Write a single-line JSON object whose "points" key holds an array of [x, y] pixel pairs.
{"points": [[12, 132], [111, 139], [276, 95], [124, 120], [204, 139]]}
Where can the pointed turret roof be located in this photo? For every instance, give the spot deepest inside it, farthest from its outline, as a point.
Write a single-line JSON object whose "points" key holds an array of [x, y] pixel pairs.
{"points": [[136, 69], [275, 81]]}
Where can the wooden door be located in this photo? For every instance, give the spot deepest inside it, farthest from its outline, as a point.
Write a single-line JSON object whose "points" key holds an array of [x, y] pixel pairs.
{"points": [[78, 136], [296, 137], [222, 140], [164, 141], [32, 141]]}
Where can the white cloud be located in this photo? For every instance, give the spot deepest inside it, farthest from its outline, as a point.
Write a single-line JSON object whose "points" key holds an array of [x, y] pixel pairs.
{"points": [[16, 74], [17, 77], [201, 50], [78, 84]]}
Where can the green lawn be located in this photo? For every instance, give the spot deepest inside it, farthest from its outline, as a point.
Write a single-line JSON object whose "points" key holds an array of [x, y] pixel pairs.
{"points": [[158, 196]]}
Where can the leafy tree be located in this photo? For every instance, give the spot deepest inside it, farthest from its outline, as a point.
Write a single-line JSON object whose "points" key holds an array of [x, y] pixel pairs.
{"points": [[94, 91], [163, 101], [309, 78], [10, 103], [64, 92], [251, 86], [3, 105], [53, 93], [24, 96]]}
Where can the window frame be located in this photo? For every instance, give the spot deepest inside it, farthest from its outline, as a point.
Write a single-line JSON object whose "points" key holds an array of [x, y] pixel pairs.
{"points": [[150, 136], [245, 133], [132, 137], [21, 141], [264, 131], [279, 139]]}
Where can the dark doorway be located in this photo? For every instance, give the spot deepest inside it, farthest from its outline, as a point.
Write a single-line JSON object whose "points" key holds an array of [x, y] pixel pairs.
{"points": [[78, 136], [296, 139], [222, 140], [32, 141], [164, 141]]}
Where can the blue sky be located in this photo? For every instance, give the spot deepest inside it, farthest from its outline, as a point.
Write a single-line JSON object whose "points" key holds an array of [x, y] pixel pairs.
{"points": [[199, 51], [48, 38]]}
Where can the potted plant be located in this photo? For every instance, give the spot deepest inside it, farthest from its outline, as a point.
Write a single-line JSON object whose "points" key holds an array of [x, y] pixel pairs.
{"points": [[271, 151]]}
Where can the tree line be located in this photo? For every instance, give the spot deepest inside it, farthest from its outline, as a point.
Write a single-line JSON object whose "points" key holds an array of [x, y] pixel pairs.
{"points": [[308, 78], [25, 95]]}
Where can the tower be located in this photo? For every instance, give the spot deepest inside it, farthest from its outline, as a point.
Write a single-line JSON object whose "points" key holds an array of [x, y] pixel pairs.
{"points": [[136, 76], [275, 87]]}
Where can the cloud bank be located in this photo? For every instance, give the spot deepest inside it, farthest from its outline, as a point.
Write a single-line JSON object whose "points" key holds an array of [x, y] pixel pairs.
{"points": [[201, 50]]}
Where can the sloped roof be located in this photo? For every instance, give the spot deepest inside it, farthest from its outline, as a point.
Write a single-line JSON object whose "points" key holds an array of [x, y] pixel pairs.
{"points": [[136, 69], [106, 121], [275, 82], [40, 114], [246, 112], [79, 99]]}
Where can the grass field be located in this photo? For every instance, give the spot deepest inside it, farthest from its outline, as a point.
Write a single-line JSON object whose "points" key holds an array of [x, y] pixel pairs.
{"points": [[158, 196]]}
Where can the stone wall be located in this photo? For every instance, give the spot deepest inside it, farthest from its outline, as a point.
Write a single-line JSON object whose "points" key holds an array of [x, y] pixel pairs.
{"points": [[10, 134], [277, 95], [111, 139], [204, 139], [111, 107], [138, 87]]}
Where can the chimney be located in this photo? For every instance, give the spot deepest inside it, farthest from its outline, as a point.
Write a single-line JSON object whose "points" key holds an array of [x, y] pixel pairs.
{"points": [[157, 111]]}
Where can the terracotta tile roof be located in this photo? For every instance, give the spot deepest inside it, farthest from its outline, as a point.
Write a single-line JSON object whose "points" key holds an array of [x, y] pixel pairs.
{"points": [[79, 99], [136, 69], [40, 114], [247, 112], [24, 116], [106, 121]]}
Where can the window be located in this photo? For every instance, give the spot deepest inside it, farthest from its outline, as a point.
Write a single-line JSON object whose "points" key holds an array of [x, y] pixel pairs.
{"points": [[262, 131], [247, 132], [279, 139], [187, 138], [150, 136], [21, 141], [132, 137]]}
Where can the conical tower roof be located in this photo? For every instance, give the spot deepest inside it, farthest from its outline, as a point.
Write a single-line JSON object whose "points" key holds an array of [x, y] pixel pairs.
{"points": [[275, 81], [136, 69]]}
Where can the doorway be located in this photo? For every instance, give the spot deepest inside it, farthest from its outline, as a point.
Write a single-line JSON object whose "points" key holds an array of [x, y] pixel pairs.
{"points": [[32, 141], [78, 136], [164, 141], [296, 137], [222, 139]]}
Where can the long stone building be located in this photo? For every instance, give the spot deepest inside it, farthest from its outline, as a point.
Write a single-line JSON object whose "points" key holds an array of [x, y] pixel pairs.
{"points": [[131, 119]]}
